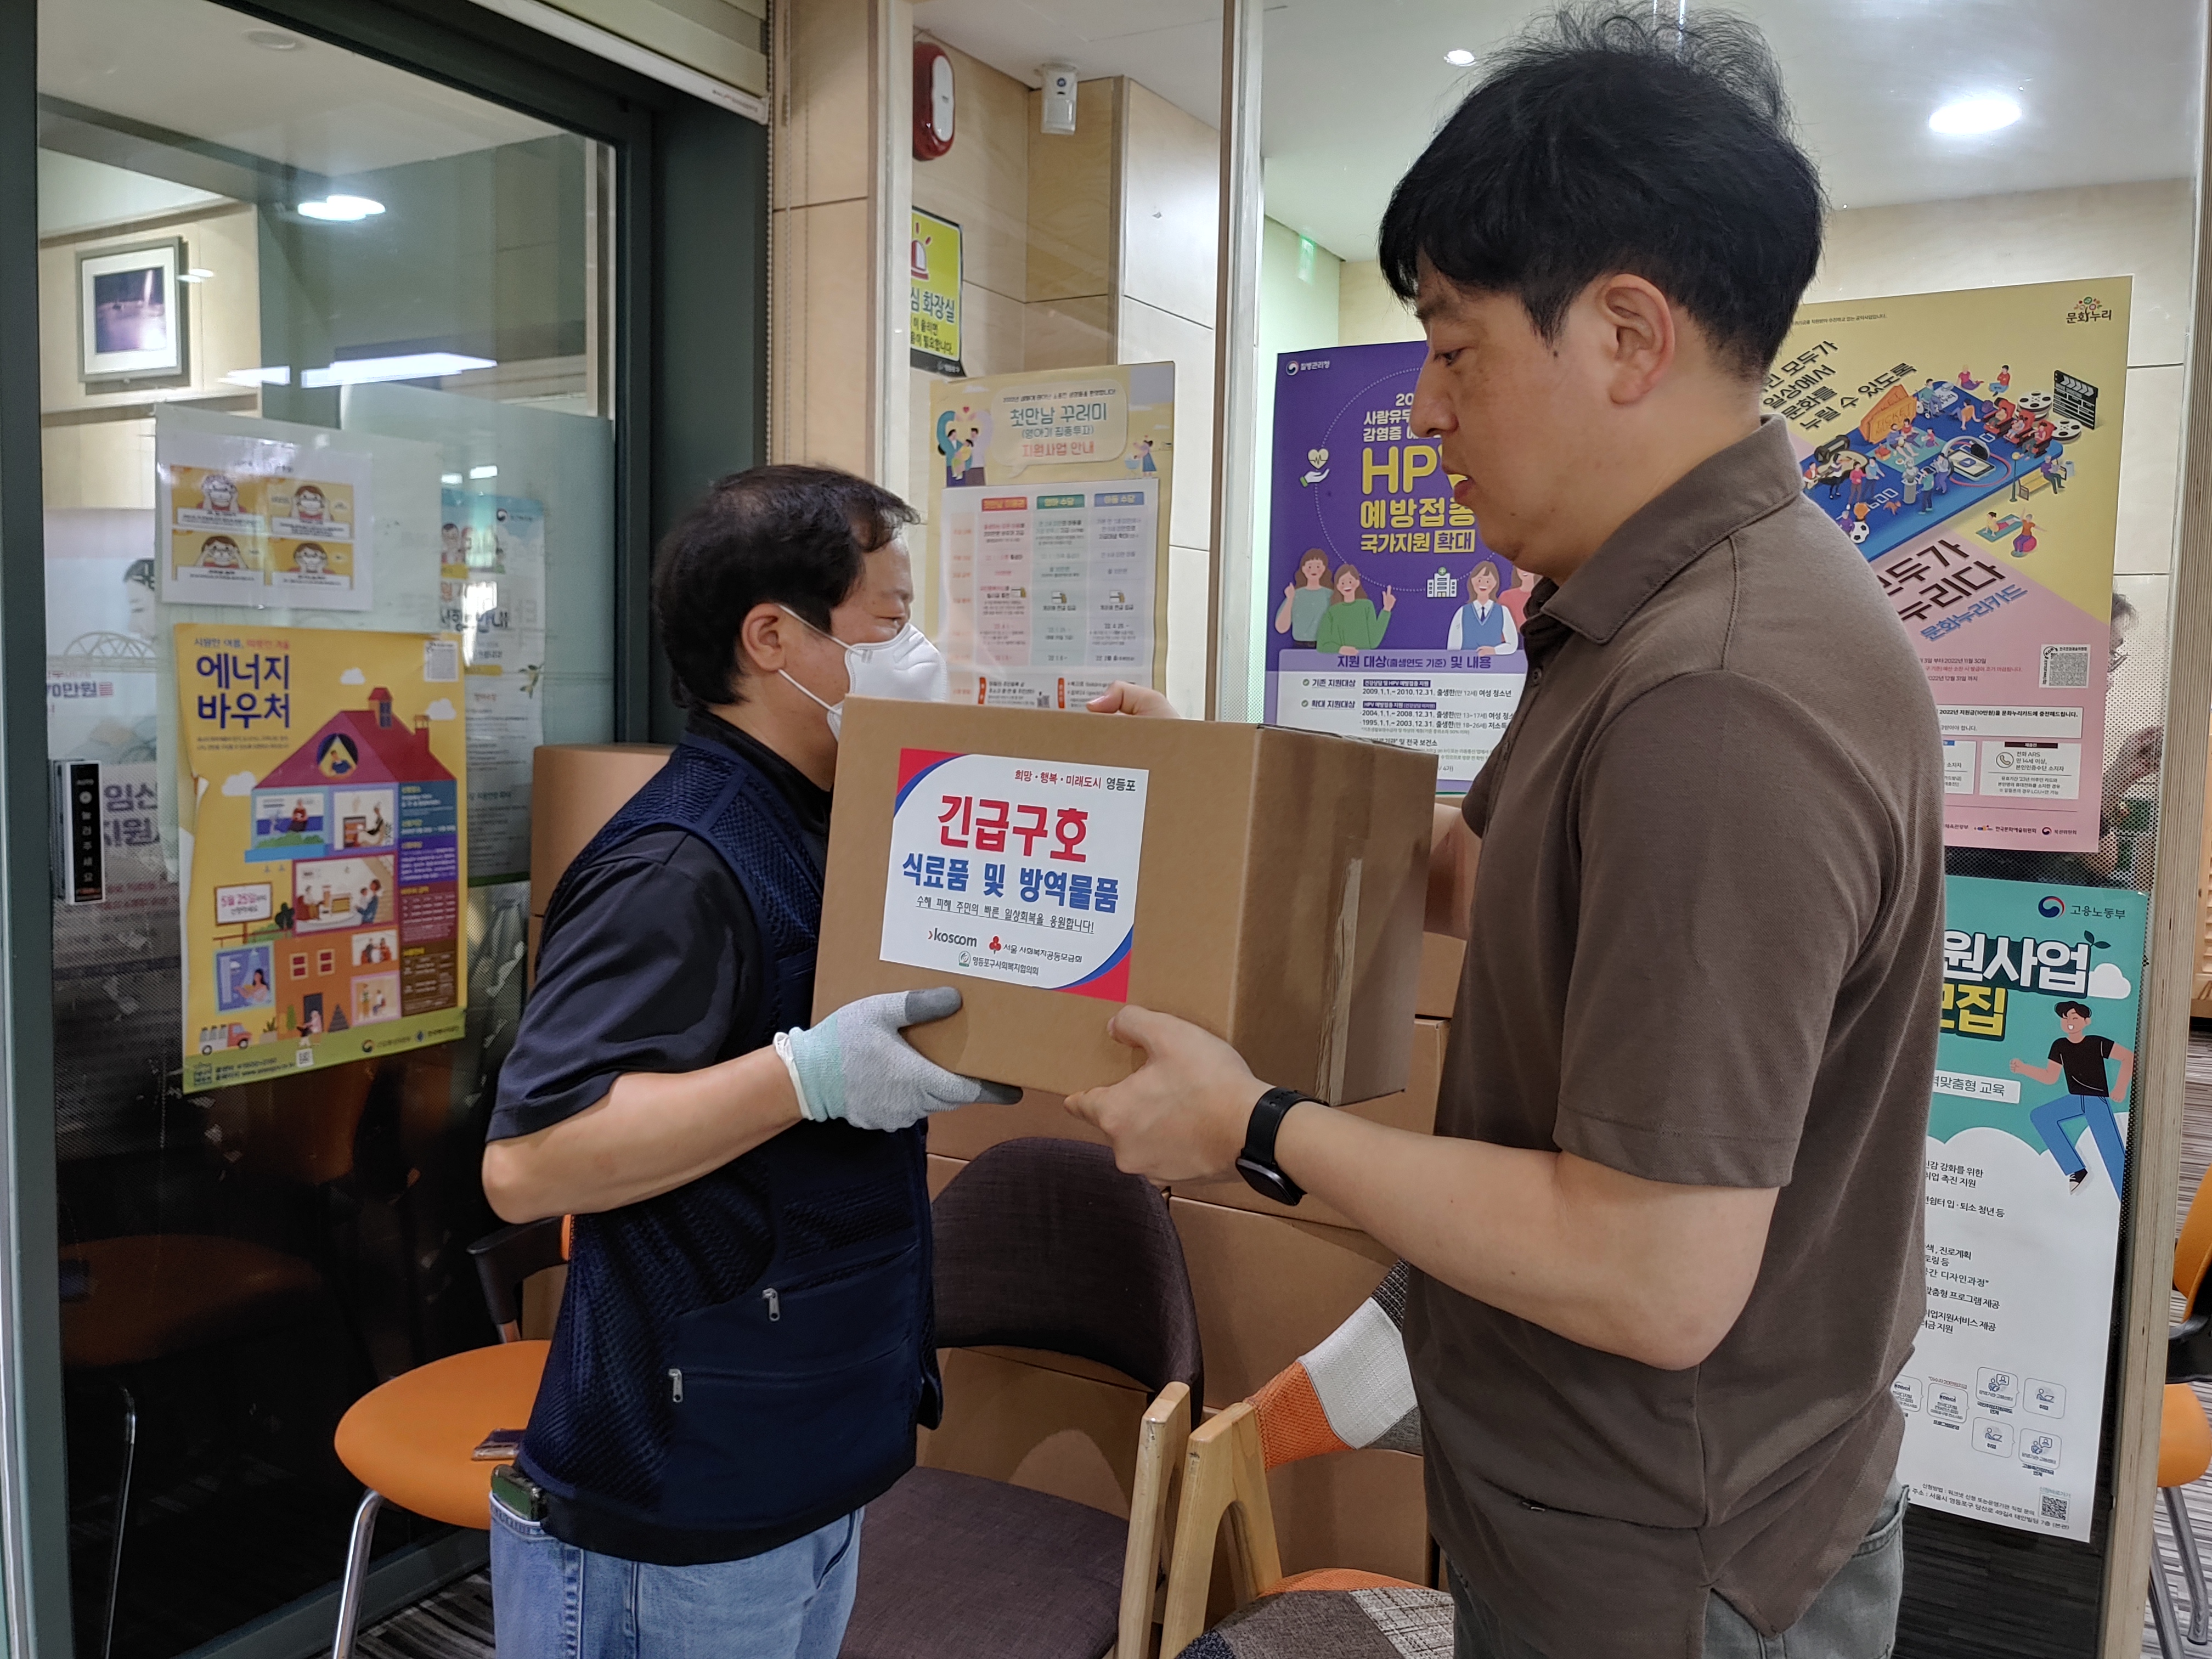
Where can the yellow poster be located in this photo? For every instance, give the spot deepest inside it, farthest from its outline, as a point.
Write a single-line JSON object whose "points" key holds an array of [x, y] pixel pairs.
{"points": [[1049, 509], [322, 780], [1969, 443], [933, 335]]}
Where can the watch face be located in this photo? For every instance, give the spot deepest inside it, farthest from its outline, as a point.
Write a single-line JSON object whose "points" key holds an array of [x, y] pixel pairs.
{"points": [[1269, 1182]]}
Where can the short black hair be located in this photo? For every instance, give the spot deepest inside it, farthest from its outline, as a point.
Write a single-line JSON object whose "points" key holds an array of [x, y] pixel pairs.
{"points": [[793, 536], [1605, 139], [2080, 1008]]}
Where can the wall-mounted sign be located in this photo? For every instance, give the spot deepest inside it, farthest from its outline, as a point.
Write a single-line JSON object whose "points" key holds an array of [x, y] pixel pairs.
{"points": [[933, 335]]}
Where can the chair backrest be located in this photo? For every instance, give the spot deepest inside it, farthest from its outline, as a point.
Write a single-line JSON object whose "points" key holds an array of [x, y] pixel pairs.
{"points": [[505, 1259], [1224, 1479], [2192, 1250], [1043, 1243]]}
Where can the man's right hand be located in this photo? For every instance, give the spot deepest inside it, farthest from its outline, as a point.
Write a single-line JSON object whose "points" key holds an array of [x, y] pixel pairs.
{"points": [[1123, 698], [856, 1066]]}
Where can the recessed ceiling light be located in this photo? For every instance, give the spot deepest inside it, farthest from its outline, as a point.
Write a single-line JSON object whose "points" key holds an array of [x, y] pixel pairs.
{"points": [[342, 209], [484, 472], [1459, 58], [1985, 111], [449, 478], [273, 40]]}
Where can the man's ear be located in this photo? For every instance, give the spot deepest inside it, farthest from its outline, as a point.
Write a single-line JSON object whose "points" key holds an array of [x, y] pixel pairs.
{"points": [[1640, 334], [763, 639]]}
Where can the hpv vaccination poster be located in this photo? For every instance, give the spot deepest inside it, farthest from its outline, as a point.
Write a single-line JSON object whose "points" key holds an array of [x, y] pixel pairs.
{"points": [[2035, 1069], [1387, 618], [322, 781], [1969, 442]]}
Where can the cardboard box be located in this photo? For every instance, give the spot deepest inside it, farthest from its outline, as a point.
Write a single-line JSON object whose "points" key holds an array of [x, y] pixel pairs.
{"points": [[1366, 1509], [574, 788], [969, 1131], [1442, 957], [1412, 1108], [1268, 1288], [1266, 884], [1040, 1426]]}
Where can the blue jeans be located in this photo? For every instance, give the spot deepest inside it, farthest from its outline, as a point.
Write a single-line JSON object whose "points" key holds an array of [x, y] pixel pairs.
{"points": [[1855, 1617], [554, 1600], [2051, 1117]]}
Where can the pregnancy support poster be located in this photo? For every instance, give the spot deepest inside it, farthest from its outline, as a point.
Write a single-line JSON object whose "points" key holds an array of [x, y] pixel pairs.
{"points": [[322, 784], [1387, 617], [1048, 507], [1970, 444], [2027, 1160]]}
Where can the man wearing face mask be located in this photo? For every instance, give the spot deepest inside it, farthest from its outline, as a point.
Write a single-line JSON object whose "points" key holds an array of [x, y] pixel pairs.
{"points": [[742, 1351]]}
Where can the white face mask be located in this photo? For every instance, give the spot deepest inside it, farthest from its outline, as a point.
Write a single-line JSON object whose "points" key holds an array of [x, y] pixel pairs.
{"points": [[906, 666]]}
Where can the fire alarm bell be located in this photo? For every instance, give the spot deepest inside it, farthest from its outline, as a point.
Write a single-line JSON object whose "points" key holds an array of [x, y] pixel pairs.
{"points": [[933, 101]]}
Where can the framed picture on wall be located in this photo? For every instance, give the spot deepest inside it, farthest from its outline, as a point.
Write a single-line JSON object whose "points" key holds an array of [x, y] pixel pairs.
{"points": [[130, 313]]}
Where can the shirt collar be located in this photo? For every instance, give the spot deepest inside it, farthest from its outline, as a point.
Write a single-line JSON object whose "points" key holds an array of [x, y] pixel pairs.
{"points": [[1751, 478]]}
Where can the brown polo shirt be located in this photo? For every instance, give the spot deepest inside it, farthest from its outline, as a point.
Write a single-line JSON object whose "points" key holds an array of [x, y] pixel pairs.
{"points": [[1705, 948]]}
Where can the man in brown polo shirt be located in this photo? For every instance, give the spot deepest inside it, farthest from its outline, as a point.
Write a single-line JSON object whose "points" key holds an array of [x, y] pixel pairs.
{"points": [[1668, 1241]]}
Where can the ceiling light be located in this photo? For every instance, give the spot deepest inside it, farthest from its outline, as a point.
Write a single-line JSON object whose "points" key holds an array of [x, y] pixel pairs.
{"points": [[449, 478], [1963, 117], [280, 376], [484, 472], [272, 40], [344, 208], [197, 274], [1459, 58], [414, 366]]}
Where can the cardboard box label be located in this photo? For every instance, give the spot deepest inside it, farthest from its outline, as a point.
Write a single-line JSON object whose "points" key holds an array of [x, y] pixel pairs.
{"points": [[1020, 871]]}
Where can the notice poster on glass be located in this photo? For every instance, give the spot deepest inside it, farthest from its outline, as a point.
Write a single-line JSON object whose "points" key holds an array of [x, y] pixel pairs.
{"points": [[491, 592], [1969, 442], [1049, 506], [246, 517], [1388, 616], [323, 780], [2004, 1395]]}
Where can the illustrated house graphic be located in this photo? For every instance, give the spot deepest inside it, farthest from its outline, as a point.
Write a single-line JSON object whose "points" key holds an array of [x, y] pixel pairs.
{"points": [[363, 746]]}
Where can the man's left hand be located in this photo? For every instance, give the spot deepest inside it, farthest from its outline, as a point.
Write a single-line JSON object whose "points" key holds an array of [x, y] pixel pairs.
{"points": [[1180, 1115]]}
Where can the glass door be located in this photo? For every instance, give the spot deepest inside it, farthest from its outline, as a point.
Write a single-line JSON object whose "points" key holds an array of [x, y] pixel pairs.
{"points": [[327, 398]]}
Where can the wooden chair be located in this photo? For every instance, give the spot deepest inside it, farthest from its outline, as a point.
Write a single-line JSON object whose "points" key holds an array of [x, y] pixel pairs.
{"points": [[410, 1442], [1041, 1244], [2185, 1438]]}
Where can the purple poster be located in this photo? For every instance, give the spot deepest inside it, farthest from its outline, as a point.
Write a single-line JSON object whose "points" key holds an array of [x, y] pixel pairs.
{"points": [[1387, 617]]}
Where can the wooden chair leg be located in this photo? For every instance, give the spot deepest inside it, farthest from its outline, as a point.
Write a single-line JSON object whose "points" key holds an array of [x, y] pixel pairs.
{"points": [[1161, 1438], [356, 1574], [2162, 1615], [1225, 1477]]}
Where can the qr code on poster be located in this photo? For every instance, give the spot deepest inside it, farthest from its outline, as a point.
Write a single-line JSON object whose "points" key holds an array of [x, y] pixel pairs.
{"points": [[2065, 667], [2055, 1505]]}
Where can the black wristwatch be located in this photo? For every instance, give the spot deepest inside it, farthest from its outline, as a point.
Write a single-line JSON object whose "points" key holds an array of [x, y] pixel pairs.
{"points": [[1256, 1162]]}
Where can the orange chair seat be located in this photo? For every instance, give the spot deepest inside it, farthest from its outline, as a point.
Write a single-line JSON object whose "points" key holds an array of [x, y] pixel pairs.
{"points": [[153, 1295], [2185, 1438], [410, 1439], [1338, 1578]]}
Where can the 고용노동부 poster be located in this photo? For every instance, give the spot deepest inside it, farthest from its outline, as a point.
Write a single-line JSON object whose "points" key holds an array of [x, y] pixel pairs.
{"points": [[1970, 444], [323, 782]]}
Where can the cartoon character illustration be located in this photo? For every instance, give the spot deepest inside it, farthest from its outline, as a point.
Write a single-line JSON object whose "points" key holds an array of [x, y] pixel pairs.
{"points": [[918, 259], [1316, 466], [311, 559], [452, 545], [218, 494], [1305, 599], [1483, 625], [307, 505], [953, 447], [220, 553], [1140, 460], [2004, 381], [2023, 543], [138, 598], [256, 989], [2079, 1059], [371, 896], [1351, 624]]}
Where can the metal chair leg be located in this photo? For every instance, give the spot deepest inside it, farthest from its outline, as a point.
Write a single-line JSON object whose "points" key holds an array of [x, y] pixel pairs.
{"points": [[121, 1519], [2162, 1615], [2192, 1564], [356, 1574]]}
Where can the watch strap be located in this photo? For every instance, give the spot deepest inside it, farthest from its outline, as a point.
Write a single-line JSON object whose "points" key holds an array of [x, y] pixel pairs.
{"points": [[1256, 1162]]}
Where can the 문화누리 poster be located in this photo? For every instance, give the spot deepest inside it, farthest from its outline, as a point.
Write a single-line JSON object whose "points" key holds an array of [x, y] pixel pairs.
{"points": [[2004, 1395], [1387, 617], [1969, 442], [322, 780], [1049, 513]]}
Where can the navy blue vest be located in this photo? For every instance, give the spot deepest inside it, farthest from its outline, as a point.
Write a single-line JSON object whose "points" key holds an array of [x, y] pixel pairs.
{"points": [[697, 1408]]}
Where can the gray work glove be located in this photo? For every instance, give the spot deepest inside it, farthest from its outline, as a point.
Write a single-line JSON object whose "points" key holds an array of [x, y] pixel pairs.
{"points": [[855, 1065]]}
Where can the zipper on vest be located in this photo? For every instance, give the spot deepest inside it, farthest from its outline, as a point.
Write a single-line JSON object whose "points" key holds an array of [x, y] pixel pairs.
{"points": [[775, 1303], [676, 1385]]}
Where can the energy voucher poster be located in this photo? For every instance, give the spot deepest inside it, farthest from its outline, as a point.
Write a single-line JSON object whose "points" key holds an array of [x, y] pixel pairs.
{"points": [[1970, 444], [1387, 617], [323, 777], [2004, 1395], [1049, 501]]}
